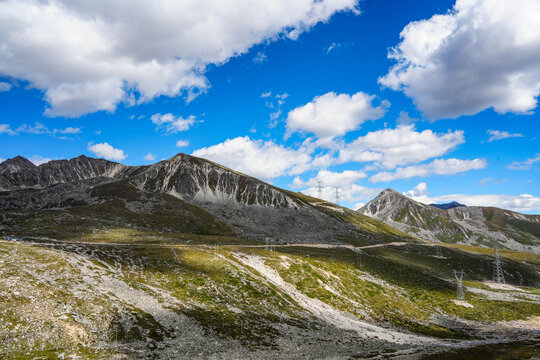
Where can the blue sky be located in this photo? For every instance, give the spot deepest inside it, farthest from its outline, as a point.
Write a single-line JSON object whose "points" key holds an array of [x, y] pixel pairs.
{"points": [[434, 99]]}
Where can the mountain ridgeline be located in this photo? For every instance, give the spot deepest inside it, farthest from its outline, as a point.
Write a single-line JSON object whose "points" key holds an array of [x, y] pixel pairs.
{"points": [[184, 194], [472, 225]]}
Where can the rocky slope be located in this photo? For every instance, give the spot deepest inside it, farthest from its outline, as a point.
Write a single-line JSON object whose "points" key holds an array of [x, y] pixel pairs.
{"points": [[183, 194], [486, 226]]}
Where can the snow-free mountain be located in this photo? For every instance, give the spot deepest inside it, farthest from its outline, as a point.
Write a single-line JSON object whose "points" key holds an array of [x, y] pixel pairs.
{"points": [[473, 225], [183, 194]]}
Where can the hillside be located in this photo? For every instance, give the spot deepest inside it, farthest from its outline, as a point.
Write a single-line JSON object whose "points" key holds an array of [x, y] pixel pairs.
{"points": [[185, 194], [187, 258], [473, 225]]}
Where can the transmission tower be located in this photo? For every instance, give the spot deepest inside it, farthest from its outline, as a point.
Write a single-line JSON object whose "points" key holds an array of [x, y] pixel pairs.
{"points": [[459, 280], [498, 275], [438, 251], [319, 189], [337, 195]]}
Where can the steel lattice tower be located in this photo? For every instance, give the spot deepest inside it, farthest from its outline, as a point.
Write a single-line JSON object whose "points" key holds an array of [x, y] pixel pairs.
{"points": [[337, 195], [319, 189], [498, 275], [438, 251], [459, 280]]}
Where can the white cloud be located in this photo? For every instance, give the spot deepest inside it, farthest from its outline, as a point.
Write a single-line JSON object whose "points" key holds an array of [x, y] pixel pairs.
{"points": [[332, 46], [150, 157], [405, 119], [182, 143], [330, 178], [418, 191], [259, 58], [264, 160], [495, 135], [106, 151], [331, 114], [524, 165], [172, 124], [482, 54], [324, 185], [523, 202], [89, 56], [266, 94], [436, 167], [6, 129], [38, 129], [485, 181], [2, 160], [4, 86], [403, 145], [38, 159], [348, 194]]}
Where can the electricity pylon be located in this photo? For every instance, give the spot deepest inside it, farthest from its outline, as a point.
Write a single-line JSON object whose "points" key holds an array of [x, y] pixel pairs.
{"points": [[459, 280], [438, 251], [498, 275], [337, 195], [319, 189]]}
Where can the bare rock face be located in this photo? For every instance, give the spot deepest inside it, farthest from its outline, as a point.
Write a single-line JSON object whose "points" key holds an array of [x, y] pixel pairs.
{"points": [[473, 225], [193, 179]]}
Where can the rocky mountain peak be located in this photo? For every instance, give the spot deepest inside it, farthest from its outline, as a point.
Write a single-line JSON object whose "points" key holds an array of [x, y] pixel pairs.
{"points": [[16, 164]]}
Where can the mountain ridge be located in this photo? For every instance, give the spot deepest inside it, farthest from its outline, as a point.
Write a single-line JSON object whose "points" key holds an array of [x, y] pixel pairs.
{"points": [[472, 225], [225, 198]]}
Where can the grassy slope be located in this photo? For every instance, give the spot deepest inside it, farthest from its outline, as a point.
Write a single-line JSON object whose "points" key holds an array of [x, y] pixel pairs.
{"points": [[398, 285]]}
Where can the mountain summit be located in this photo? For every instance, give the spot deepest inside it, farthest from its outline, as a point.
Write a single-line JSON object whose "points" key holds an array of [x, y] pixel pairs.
{"points": [[473, 225]]}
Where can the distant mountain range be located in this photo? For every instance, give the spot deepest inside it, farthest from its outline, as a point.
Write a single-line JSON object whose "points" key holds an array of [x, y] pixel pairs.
{"points": [[455, 223], [447, 206], [184, 194]]}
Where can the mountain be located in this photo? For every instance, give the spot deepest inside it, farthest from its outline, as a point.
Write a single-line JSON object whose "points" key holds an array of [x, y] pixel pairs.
{"points": [[473, 225], [169, 261], [184, 194], [447, 206]]}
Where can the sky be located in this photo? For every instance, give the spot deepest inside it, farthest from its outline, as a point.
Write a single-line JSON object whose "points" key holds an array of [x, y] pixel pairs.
{"points": [[435, 99]]}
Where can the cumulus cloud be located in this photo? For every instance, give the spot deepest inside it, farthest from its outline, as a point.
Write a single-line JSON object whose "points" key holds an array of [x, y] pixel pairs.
{"points": [[329, 178], [436, 167], [389, 148], [150, 157], [38, 159], [262, 159], [6, 129], [89, 56], [325, 184], [348, 194], [171, 124], [182, 143], [524, 165], [106, 151], [523, 202], [495, 135], [419, 190], [4, 86], [331, 114], [460, 63]]}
